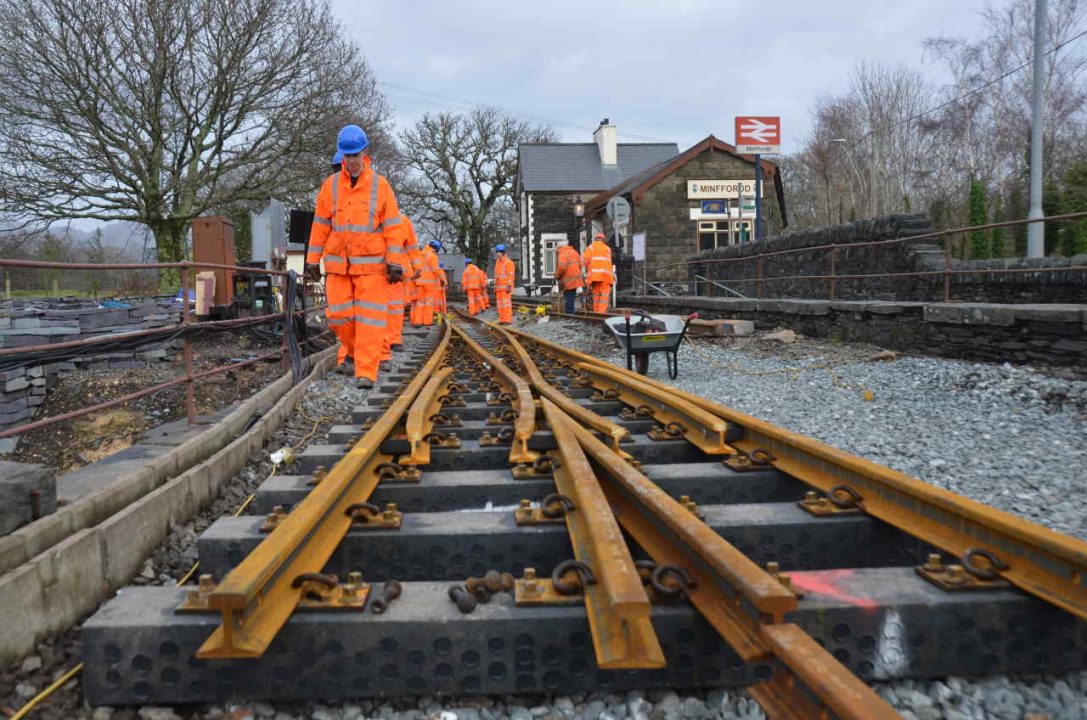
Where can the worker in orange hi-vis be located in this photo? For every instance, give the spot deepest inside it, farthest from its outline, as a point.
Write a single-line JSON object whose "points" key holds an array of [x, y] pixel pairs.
{"points": [[504, 270], [428, 283], [474, 282], [568, 274], [598, 273], [354, 227], [393, 339], [411, 290]]}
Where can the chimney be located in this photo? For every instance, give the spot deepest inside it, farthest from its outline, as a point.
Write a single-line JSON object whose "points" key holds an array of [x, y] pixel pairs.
{"points": [[605, 143]]}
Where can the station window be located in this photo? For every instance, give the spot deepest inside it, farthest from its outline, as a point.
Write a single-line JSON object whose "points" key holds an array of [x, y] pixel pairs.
{"points": [[550, 243], [722, 233]]}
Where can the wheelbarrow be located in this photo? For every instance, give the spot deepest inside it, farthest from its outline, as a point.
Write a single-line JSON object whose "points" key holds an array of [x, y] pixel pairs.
{"points": [[641, 334]]}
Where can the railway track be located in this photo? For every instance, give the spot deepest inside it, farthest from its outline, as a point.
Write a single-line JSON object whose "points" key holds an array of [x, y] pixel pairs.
{"points": [[517, 517]]}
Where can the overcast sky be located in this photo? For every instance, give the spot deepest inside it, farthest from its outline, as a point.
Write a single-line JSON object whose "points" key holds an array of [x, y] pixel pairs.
{"points": [[662, 70]]}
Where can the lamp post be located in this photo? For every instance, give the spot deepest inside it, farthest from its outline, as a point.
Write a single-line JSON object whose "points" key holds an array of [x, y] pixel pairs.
{"points": [[579, 215]]}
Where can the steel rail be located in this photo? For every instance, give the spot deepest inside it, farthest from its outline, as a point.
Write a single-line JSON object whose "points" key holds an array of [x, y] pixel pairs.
{"points": [[613, 431], [743, 603], [1040, 561], [704, 430], [831, 693], [419, 423], [523, 403], [256, 598], [617, 606]]}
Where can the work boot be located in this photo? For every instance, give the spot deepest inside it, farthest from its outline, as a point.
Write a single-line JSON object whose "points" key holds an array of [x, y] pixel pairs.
{"points": [[364, 383], [396, 348], [386, 366], [348, 368]]}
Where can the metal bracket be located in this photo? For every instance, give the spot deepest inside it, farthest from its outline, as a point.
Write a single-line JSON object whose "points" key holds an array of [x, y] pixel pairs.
{"points": [[395, 472], [606, 394], [642, 412], [505, 418], [774, 571], [955, 578], [542, 466], [448, 400], [273, 519], [755, 460], [691, 506], [819, 506], [503, 398], [552, 510], [367, 516], [196, 601], [671, 431], [440, 420], [437, 439], [531, 590], [317, 476], [325, 592]]}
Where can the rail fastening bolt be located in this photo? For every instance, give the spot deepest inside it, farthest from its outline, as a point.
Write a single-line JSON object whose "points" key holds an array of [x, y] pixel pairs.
{"points": [[466, 601], [934, 564]]}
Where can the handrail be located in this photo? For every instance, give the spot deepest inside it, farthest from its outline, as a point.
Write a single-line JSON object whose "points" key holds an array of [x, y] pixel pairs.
{"points": [[723, 287], [257, 597]]}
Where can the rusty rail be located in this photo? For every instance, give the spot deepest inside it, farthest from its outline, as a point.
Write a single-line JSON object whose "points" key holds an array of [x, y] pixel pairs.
{"points": [[258, 596], [1037, 560]]}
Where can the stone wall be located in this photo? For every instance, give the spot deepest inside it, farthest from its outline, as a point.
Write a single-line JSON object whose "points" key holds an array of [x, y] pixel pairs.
{"points": [[1050, 334], [551, 213], [810, 255], [663, 212], [26, 323]]}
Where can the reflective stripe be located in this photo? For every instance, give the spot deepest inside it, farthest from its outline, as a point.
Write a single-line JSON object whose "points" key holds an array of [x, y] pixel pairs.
{"points": [[335, 194], [339, 321], [380, 307], [373, 200], [366, 260], [333, 258], [322, 221], [353, 228], [394, 250], [370, 321], [341, 307], [393, 221]]}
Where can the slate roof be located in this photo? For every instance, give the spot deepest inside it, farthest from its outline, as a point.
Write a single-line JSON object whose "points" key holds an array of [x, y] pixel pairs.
{"points": [[575, 167]]}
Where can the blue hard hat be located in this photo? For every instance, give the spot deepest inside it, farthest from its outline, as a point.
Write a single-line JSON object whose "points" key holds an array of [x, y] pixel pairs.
{"points": [[352, 140], [337, 158], [467, 261], [500, 248], [435, 244]]}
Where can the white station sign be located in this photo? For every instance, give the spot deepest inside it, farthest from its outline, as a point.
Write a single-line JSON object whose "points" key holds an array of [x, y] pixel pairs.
{"points": [[716, 189]]}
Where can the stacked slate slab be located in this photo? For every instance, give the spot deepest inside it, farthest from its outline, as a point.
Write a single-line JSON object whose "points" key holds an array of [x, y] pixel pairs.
{"points": [[26, 323]]}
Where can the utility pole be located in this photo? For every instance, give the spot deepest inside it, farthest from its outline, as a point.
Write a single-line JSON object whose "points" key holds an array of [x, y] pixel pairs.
{"points": [[1036, 230]]}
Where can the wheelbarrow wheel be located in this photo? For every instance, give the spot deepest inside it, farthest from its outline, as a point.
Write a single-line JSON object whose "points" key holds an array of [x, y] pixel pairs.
{"points": [[641, 362]]}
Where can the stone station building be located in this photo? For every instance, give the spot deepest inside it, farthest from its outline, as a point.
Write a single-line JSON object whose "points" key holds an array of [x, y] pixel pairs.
{"points": [[554, 180], [698, 200]]}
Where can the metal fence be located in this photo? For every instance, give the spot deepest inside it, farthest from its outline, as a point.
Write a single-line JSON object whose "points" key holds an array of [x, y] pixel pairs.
{"points": [[692, 266], [182, 329]]}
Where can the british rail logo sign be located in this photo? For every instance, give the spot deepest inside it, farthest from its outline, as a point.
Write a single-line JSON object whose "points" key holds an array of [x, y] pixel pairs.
{"points": [[758, 135]]}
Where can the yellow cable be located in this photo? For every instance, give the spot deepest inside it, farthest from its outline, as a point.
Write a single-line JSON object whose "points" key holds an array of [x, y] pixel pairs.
{"points": [[44, 694]]}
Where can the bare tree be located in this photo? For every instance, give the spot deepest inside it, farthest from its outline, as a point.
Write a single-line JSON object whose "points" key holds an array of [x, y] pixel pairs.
{"points": [[157, 111], [462, 168]]}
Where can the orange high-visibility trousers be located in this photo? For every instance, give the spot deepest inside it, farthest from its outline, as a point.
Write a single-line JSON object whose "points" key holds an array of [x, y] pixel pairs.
{"points": [[475, 302], [601, 296], [395, 328], [358, 312], [503, 299]]}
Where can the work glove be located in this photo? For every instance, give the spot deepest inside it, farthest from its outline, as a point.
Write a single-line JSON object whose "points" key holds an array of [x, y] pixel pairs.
{"points": [[418, 274], [312, 272], [394, 273]]}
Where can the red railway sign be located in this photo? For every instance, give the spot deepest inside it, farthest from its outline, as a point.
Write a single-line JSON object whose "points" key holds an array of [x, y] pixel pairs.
{"points": [[758, 135]]}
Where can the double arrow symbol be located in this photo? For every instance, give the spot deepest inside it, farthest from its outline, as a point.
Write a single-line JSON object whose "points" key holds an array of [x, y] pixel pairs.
{"points": [[759, 131]]}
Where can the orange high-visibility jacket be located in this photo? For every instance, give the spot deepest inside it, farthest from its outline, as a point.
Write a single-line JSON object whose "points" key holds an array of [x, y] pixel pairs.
{"points": [[473, 278], [411, 245], [355, 228], [503, 274], [428, 265], [598, 263], [568, 268]]}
